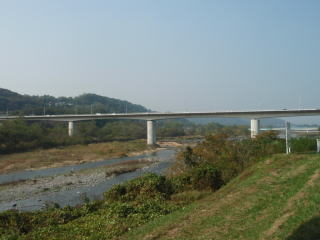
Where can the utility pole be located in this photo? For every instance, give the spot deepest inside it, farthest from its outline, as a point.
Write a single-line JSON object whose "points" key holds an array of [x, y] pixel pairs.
{"points": [[288, 148], [44, 105]]}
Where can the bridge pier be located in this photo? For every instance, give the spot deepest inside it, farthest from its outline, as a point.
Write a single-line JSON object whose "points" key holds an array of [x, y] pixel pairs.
{"points": [[70, 128], [255, 127], [151, 132]]}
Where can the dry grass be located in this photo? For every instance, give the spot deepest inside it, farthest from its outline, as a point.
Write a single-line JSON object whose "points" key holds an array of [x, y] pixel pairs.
{"points": [[127, 166], [70, 155]]}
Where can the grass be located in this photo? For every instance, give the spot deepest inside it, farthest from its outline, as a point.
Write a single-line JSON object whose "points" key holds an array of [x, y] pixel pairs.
{"points": [[278, 198], [68, 155]]}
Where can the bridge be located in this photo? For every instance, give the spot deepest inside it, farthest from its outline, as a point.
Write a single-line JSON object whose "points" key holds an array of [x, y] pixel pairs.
{"points": [[152, 117]]}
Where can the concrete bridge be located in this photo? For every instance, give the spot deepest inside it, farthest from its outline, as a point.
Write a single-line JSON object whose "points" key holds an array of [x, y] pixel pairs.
{"points": [[151, 117]]}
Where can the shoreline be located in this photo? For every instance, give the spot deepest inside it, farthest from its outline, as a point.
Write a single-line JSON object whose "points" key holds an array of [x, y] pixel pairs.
{"points": [[49, 158]]}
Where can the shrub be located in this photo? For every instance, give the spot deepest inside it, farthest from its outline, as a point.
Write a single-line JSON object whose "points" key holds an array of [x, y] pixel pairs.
{"points": [[188, 157], [203, 177], [140, 189], [206, 177], [303, 144], [220, 158], [14, 221]]}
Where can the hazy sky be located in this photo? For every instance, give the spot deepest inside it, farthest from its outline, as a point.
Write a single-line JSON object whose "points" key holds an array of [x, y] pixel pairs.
{"points": [[176, 55]]}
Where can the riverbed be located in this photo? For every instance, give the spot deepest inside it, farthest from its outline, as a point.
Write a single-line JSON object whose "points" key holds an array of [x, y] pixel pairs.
{"points": [[73, 185]]}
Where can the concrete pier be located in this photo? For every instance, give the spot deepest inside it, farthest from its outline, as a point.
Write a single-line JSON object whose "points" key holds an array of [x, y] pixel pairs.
{"points": [[151, 132], [255, 127], [70, 128]]}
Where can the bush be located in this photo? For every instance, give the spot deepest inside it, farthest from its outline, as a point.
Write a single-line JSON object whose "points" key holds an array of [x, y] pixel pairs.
{"points": [[14, 221], [220, 158], [203, 177], [303, 144], [206, 177], [140, 189]]}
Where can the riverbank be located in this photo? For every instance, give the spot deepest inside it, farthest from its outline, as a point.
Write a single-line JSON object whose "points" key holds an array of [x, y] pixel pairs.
{"points": [[77, 154], [70, 155]]}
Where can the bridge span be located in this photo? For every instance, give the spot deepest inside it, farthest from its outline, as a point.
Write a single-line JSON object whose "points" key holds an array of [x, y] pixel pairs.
{"points": [[151, 117]]}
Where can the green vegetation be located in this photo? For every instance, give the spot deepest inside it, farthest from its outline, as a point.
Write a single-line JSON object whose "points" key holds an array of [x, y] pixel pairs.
{"points": [[125, 206], [14, 103], [175, 128], [218, 159], [303, 144], [19, 135]]}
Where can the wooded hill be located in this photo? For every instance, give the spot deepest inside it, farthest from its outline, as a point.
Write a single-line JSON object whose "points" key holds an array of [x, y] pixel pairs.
{"points": [[15, 103]]}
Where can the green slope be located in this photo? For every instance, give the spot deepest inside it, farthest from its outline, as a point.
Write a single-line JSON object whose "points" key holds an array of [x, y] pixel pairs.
{"points": [[278, 198]]}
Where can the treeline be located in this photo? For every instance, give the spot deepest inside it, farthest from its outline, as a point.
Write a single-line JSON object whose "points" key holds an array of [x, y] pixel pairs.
{"points": [[169, 128], [16, 104], [19, 135]]}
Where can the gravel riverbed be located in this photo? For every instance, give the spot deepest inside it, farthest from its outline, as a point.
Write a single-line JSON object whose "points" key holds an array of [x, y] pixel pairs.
{"points": [[74, 187]]}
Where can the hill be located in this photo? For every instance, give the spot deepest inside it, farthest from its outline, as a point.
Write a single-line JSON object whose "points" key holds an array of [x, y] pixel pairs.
{"points": [[277, 198], [15, 103]]}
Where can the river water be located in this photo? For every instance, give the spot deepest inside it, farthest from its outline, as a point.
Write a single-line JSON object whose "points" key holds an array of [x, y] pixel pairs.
{"points": [[78, 194]]}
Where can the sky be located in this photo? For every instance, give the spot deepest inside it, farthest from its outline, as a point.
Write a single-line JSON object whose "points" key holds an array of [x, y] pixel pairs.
{"points": [[168, 55]]}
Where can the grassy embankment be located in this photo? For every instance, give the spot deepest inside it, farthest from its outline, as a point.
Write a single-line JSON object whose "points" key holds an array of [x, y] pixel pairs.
{"points": [[277, 198], [69, 155]]}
